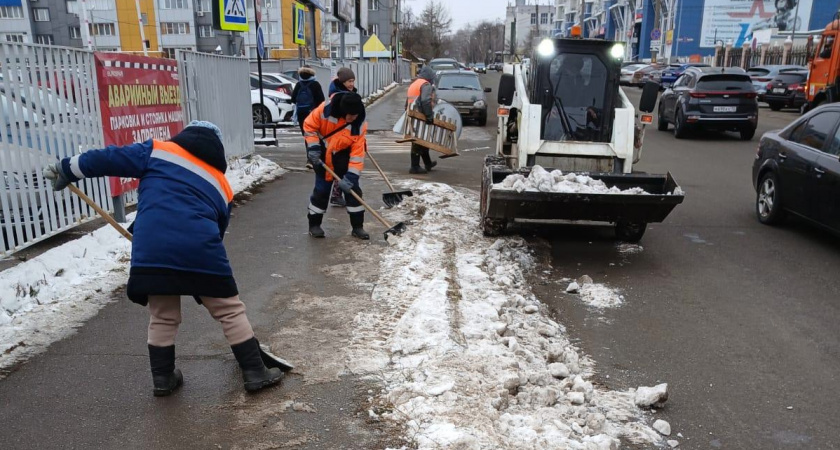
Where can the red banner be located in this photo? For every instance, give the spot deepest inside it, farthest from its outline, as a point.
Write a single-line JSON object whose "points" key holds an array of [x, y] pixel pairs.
{"points": [[140, 99]]}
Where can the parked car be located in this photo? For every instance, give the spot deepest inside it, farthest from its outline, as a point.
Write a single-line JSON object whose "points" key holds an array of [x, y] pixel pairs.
{"points": [[761, 75], [628, 72], [269, 85], [797, 170], [277, 107], [645, 74], [786, 90], [673, 71], [463, 90], [480, 68], [293, 74], [439, 64], [280, 78], [710, 98]]}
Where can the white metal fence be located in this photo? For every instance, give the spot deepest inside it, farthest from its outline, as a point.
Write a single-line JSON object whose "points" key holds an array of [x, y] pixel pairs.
{"points": [[371, 77], [50, 110], [216, 88]]}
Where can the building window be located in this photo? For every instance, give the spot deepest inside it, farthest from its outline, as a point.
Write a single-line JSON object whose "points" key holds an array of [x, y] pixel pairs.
{"points": [[533, 18], [102, 29], [72, 6], [92, 5], [373, 29], [173, 4], [373, 5], [334, 52], [41, 14], [13, 37], [174, 28], [46, 39], [203, 6], [205, 31], [11, 12], [543, 18], [75, 32], [334, 27]]}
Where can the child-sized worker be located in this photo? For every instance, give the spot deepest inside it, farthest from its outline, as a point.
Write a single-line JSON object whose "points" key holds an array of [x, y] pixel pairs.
{"points": [[177, 250]]}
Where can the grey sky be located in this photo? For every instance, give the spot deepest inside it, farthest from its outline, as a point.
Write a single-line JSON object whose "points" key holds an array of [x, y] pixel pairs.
{"points": [[466, 11]]}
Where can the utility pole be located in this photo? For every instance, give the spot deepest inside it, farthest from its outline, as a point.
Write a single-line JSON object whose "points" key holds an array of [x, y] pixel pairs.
{"points": [[397, 49], [795, 19], [580, 14], [657, 13], [142, 31], [259, 57]]}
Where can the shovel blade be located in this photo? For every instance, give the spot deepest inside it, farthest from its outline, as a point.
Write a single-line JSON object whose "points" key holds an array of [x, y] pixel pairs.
{"points": [[391, 199], [396, 230], [271, 360]]}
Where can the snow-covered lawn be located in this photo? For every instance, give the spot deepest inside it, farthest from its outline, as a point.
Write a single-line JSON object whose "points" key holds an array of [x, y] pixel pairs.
{"points": [[466, 353], [44, 299]]}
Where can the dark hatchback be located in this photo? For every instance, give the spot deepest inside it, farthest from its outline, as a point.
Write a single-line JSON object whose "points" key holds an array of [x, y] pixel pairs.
{"points": [[673, 72], [786, 90], [710, 98], [797, 170], [463, 90]]}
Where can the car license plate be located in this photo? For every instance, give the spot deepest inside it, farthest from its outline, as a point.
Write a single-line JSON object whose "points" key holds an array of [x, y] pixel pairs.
{"points": [[779, 91], [725, 108]]}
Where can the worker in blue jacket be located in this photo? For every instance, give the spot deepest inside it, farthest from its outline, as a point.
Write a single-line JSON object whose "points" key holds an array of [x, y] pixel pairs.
{"points": [[177, 249]]}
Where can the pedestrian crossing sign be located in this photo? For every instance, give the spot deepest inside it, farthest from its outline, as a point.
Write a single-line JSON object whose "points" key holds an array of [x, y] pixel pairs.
{"points": [[299, 23], [230, 15]]}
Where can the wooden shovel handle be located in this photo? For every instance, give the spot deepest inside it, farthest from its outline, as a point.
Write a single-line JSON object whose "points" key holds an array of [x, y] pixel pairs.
{"points": [[373, 160], [356, 196], [101, 211]]}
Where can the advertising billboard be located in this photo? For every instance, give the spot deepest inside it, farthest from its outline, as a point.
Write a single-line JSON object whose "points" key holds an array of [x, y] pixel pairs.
{"points": [[344, 10], [737, 20], [139, 99]]}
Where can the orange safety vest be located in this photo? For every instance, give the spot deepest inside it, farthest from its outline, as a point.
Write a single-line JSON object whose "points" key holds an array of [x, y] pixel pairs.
{"points": [[414, 90], [319, 124]]}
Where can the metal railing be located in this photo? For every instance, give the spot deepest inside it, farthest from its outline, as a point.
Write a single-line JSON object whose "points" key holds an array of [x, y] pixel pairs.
{"points": [[215, 88], [50, 110]]}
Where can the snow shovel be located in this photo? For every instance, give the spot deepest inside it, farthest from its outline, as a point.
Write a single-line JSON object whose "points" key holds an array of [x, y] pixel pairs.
{"points": [[396, 230], [270, 360], [392, 198]]}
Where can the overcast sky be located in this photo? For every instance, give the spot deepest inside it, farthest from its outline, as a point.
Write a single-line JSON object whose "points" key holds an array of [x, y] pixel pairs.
{"points": [[466, 11]]}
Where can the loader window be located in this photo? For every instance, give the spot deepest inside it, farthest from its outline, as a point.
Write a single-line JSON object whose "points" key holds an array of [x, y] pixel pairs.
{"points": [[576, 112], [827, 47]]}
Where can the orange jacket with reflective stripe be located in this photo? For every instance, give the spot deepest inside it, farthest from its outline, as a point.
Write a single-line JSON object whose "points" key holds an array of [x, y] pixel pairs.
{"points": [[414, 89], [320, 123]]}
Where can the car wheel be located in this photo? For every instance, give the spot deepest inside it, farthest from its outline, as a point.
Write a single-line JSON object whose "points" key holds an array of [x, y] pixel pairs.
{"points": [[260, 114], [661, 123], [768, 208], [747, 133], [775, 106], [679, 126]]}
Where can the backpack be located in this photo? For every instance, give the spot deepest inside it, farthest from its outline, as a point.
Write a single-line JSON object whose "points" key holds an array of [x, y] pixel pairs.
{"points": [[305, 99]]}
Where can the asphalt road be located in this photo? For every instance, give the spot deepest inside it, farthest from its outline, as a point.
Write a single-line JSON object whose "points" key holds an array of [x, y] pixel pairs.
{"points": [[739, 318]]}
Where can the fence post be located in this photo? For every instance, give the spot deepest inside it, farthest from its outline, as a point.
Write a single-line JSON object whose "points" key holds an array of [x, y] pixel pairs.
{"points": [[786, 52], [763, 49], [726, 55], [745, 54], [718, 49]]}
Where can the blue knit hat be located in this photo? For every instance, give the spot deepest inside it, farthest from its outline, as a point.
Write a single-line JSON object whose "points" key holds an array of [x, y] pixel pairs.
{"points": [[208, 125]]}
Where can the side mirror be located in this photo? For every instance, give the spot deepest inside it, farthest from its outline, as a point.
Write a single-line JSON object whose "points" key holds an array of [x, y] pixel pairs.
{"points": [[649, 94], [507, 87], [488, 90]]}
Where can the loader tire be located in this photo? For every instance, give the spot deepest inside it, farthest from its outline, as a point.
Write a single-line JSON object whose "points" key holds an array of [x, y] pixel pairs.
{"points": [[630, 232], [493, 227]]}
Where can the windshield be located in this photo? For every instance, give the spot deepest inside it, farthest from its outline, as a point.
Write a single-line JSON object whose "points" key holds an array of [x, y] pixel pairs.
{"points": [[725, 83], [459, 82], [578, 83], [790, 78]]}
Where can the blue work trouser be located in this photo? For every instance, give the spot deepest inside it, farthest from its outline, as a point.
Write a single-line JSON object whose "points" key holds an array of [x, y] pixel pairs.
{"points": [[320, 198]]}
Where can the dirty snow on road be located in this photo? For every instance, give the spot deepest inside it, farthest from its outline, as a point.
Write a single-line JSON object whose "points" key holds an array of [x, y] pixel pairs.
{"points": [[541, 180], [47, 297], [467, 355]]}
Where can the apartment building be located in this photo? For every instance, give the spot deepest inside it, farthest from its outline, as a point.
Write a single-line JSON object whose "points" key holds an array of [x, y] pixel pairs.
{"points": [[380, 18], [532, 20]]}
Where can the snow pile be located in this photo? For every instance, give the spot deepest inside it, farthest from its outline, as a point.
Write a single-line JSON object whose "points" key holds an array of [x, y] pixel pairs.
{"points": [[594, 294], [466, 356], [46, 298], [541, 180]]}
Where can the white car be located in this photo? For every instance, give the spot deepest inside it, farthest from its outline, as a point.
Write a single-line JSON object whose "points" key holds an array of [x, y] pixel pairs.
{"points": [[277, 107], [627, 73], [280, 78]]}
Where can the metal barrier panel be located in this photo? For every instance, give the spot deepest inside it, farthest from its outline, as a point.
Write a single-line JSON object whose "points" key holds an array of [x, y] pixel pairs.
{"points": [[216, 88], [50, 110]]}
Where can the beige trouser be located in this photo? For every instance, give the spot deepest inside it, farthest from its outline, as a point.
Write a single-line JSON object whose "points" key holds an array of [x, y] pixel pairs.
{"points": [[165, 313]]}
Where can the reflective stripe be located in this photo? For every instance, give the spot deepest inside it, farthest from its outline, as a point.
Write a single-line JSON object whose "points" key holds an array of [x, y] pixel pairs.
{"points": [[357, 159], [354, 170], [310, 133], [316, 210], [74, 167], [354, 209]]}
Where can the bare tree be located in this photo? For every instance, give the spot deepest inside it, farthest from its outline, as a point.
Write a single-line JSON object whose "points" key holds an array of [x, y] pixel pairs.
{"points": [[436, 19]]}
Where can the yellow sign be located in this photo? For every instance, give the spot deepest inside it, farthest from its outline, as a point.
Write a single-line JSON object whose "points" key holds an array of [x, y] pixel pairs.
{"points": [[669, 37], [230, 15], [298, 23]]}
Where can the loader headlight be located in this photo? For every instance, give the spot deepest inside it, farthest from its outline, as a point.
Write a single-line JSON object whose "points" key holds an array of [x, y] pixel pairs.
{"points": [[617, 51], [546, 48], [479, 104]]}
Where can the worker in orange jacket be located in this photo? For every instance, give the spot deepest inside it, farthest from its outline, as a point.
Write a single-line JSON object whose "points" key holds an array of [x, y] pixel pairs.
{"points": [[421, 97], [335, 134]]}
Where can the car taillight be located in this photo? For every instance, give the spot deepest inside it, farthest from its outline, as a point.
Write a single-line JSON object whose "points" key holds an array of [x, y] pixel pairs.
{"points": [[797, 87], [769, 86], [697, 95], [749, 94]]}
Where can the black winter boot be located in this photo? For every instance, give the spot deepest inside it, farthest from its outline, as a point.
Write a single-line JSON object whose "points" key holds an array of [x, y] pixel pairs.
{"points": [[430, 165], [357, 221], [254, 372], [415, 162], [360, 233], [315, 229], [165, 377]]}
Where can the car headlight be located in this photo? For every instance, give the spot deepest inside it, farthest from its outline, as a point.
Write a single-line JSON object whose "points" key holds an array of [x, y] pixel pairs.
{"points": [[276, 100], [479, 104]]}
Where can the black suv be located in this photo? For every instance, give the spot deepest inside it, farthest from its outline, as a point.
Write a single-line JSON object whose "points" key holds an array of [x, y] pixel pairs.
{"points": [[787, 90], [710, 98]]}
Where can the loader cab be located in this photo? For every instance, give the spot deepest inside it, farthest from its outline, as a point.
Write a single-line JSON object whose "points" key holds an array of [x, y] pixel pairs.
{"points": [[576, 81], [825, 64]]}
